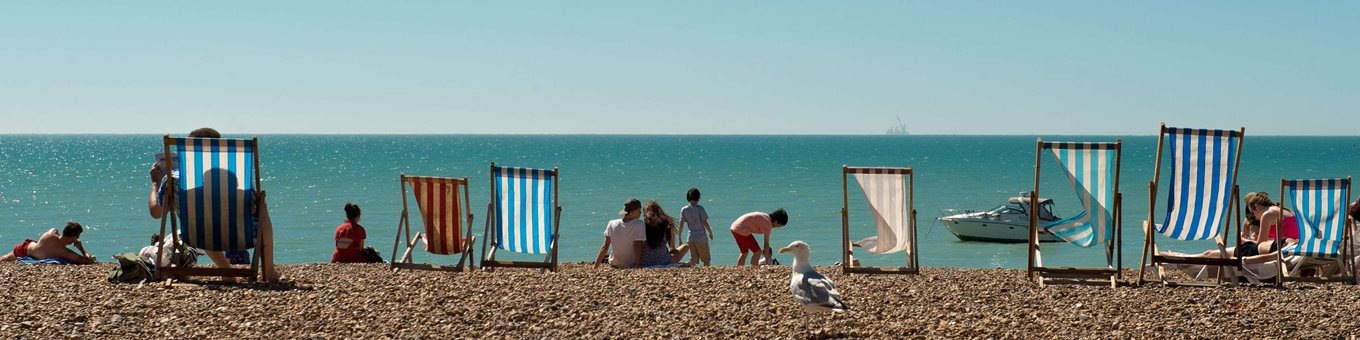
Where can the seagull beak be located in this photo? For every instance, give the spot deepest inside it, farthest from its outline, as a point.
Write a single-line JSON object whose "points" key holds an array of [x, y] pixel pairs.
{"points": [[783, 250]]}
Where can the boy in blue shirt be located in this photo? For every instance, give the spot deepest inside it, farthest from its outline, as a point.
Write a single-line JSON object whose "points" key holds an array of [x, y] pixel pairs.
{"points": [[700, 232]]}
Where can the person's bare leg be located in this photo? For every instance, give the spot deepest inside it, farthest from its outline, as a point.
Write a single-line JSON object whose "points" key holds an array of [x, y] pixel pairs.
{"points": [[680, 253], [9, 257], [701, 251], [741, 261], [693, 255]]}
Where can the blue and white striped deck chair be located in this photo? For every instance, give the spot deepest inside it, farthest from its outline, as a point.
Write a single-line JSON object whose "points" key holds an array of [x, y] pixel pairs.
{"points": [[524, 214], [214, 200], [1324, 231], [1093, 170], [1201, 197]]}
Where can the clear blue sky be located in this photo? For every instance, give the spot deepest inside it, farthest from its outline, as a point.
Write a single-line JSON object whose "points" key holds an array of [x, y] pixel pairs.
{"points": [[725, 67]]}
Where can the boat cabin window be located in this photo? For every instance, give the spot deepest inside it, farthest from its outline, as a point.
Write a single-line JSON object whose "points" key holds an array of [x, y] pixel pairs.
{"points": [[1046, 211], [1013, 208]]}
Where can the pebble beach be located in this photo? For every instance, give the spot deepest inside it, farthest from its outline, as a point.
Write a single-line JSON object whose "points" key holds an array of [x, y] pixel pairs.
{"points": [[370, 301]]}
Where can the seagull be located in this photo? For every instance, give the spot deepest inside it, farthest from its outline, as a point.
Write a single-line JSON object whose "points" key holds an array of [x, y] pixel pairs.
{"points": [[814, 291]]}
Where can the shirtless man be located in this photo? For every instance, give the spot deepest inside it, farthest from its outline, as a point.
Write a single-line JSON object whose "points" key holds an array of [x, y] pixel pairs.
{"points": [[53, 245]]}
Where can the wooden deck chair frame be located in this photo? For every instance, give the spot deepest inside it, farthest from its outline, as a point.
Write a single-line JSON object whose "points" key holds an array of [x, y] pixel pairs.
{"points": [[171, 205], [1112, 273], [404, 225], [489, 261], [1233, 211], [1345, 262], [912, 259]]}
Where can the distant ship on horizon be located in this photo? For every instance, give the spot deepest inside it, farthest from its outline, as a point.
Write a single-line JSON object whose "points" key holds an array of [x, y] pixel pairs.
{"points": [[899, 130]]}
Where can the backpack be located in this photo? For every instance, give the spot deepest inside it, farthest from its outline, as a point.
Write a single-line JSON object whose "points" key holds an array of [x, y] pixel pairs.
{"points": [[131, 268], [371, 255]]}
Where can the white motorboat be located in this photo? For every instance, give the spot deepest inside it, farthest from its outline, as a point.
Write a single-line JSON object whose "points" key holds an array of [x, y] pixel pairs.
{"points": [[1008, 223]]}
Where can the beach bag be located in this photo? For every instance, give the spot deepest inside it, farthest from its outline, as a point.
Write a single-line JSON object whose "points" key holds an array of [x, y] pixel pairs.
{"points": [[131, 268], [371, 255]]}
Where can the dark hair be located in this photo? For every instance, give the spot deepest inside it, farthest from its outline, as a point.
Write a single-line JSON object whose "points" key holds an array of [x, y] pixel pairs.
{"points": [[658, 224], [1355, 210], [351, 211], [206, 132], [780, 216], [692, 195], [155, 238], [72, 230]]}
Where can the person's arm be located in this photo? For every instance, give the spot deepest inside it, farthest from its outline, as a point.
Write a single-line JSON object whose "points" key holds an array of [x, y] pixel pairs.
{"points": [[637, 252], [766, 248], [1271, 218], [680, 230], [604, 248], [670, 237], [153, 202], [77, 258], [81, 246], [710, 229]]}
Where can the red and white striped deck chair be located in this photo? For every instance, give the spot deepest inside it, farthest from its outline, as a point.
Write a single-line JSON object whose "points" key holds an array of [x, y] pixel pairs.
{"points": [[443, 204]]}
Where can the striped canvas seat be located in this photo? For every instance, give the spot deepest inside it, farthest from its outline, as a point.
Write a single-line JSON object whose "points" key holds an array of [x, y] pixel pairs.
{"points": [[216, 193], [1202, 179], [216, 184], [1092, 169], [888, 192], [1320, 207], [523, 215], [443, 208], [440, 210], [1201, 197]]}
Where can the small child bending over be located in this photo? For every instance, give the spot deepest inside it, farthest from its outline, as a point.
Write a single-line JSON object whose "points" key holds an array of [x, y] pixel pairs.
{"points": [[756, 223]]}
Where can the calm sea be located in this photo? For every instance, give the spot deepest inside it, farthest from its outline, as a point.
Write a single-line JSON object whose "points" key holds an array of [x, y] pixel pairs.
{"points": [[102, 182]]}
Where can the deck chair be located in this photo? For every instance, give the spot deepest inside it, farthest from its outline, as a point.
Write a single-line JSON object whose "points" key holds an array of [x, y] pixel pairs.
{"points": [[446, 217], [888, 191], [1201, 197], [525, 215], [213, 200], [1324, 230], [1093, 170]]}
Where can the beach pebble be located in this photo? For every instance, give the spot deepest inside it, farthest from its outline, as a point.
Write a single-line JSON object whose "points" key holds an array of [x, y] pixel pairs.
{"points": [[369, 301]]}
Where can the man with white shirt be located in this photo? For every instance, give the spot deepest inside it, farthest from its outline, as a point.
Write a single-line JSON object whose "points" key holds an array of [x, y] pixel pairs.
{"points": [[626, 235]]}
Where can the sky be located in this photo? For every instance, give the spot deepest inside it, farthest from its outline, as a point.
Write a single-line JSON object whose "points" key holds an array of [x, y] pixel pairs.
{"points": [[679, 67]]}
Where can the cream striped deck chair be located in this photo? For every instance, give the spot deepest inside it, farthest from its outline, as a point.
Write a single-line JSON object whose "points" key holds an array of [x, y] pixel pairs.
{"points": [[1093, 170], [1202, 199], [888, 191], [443, 207], [1324, 231], [524, 214], [213, 200]]}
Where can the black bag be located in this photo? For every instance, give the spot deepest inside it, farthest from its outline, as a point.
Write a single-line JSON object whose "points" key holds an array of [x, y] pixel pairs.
{"points": [[371, 255], [131, 269]]}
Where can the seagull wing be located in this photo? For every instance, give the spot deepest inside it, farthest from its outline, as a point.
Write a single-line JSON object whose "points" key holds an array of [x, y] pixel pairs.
{"points": [[815, 291]]}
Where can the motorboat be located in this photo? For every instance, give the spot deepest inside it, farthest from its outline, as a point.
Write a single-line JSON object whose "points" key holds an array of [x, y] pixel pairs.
{"points": [[1008, 223]]}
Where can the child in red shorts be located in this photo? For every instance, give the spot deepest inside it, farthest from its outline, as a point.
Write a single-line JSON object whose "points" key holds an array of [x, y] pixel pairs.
{"points": [[756, 223]]}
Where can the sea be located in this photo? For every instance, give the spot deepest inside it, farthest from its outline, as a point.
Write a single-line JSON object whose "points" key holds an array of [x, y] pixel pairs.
{"points": [[102, 181]]}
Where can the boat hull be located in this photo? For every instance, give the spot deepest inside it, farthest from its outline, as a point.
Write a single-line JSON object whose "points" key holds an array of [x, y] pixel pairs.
{"points": [[999, 231]]}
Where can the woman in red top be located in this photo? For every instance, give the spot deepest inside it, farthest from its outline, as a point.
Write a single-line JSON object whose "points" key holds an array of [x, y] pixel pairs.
{"points": [[349, 238]]}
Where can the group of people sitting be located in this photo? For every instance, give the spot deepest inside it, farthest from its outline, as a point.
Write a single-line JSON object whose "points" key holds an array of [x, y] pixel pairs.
{"points": [[646, 237], [1260, 242]]}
